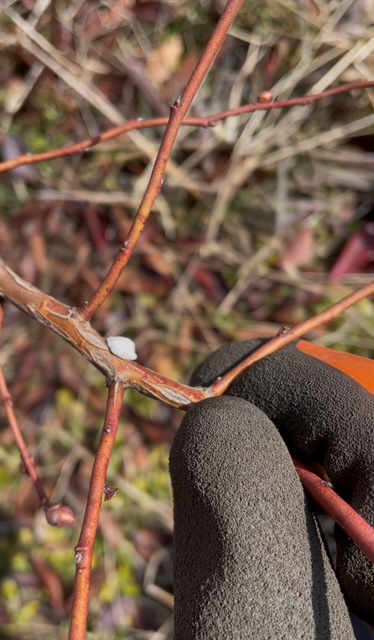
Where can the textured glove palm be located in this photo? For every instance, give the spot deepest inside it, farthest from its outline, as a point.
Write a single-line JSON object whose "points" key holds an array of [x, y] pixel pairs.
{"points": [[250, 561]]}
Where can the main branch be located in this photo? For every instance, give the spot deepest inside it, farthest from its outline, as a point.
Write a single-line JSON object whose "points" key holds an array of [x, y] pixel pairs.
{"points": [[68, 324]]}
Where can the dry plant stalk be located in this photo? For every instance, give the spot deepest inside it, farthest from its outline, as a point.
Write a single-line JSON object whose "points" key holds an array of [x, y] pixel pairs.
{"points": [[73, 325]]}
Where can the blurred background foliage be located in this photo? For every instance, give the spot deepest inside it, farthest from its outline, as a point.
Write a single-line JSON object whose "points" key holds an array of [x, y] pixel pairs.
{"points": [[268, 220]]}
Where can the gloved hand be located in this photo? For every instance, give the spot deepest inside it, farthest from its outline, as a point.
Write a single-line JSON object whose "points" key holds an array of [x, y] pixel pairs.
{"points": [[249, 558]]}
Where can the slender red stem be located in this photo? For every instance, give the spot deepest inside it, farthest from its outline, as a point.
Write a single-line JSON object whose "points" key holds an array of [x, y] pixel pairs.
{"points": [[21, 445], [85, 547], [290, 335], [17, 434], [206, 121], [177, 114], [361, 532]]}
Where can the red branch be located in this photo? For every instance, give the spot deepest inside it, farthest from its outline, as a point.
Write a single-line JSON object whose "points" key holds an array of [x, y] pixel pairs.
{"points": [[57, 515], [288, 335], [177, 114], [85, 547], [207, 121], [347, 518], [27, 459]]}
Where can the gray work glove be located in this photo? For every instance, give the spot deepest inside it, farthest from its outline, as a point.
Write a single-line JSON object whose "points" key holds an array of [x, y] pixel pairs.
{"points": [[250, 561]]}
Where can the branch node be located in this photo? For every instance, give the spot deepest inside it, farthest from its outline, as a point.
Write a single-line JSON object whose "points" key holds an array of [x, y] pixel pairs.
{"points": [[109, 492], [78, 555], [177, 104], [108, 429], [284, 331]]}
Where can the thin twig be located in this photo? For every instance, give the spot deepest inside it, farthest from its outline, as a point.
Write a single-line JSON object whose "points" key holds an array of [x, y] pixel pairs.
{"points": [[177, 114], [360, 531], [290, 335], [27, 459], [57, 515], [72, 75], [85, 547], [205, 122], [21, 445]]}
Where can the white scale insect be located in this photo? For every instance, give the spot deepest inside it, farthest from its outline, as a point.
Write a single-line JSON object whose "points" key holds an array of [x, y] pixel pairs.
{"points": [[122, 347]]}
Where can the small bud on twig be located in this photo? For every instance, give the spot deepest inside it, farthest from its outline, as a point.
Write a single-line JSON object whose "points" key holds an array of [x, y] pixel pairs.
{"points": [[265, 97], [59, 515], [109, 493]]}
